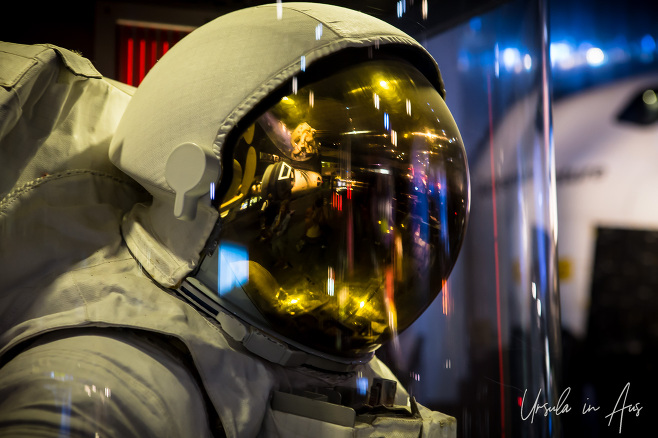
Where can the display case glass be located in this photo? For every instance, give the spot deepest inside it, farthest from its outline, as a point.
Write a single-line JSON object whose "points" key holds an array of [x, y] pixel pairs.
{"points": [[488, 351]]}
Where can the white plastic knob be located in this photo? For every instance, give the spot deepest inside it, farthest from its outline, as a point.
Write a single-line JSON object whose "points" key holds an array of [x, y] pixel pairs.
{"points": [[189, 172]]}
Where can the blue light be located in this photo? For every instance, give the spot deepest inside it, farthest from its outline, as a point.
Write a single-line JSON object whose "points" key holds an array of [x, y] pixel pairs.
{"points": [[401, 7], [475, 24], [496, 60], [550, 425], [463, 60], [648, 44], [303, 63], [362, 385], [233, 267]]}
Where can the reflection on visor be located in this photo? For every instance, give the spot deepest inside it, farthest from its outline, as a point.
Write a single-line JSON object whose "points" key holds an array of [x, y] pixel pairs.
{"points": [[354, 214]]}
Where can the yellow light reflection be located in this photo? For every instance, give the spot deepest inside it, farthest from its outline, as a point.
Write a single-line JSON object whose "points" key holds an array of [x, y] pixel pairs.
{"points": [[430, 135], [649, 97], [360, 307]]}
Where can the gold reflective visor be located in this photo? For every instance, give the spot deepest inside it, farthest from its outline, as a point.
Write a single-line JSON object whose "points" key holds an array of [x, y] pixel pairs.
{"points": [[348, 211]]}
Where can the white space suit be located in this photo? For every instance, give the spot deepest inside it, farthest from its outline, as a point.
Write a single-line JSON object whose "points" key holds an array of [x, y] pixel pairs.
{"points": [[96, 337]]}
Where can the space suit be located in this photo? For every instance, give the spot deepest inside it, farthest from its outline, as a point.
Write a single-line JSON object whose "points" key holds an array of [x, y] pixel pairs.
{"points": [[140, 296]]}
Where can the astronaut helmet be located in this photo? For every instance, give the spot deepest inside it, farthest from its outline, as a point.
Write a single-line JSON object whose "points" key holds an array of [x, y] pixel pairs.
{"points": [[315, 209]]}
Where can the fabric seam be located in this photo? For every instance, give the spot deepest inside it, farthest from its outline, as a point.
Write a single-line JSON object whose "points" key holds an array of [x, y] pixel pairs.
{"points": [[17, 192]]}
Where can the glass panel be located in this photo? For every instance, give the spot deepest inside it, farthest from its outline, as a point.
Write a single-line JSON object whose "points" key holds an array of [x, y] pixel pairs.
{"points": [[493, 338]]}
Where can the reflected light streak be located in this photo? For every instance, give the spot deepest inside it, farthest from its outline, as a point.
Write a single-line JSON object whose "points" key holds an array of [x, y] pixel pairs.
{"points": [[331, 279], [401, 7], [104, 393], [430, 135], [399, 256], [56, 375], [390, 301], [496, 260], [233, 267], [342, 300], [362, 385], [444, 298], [350, 234], [496, 60]]}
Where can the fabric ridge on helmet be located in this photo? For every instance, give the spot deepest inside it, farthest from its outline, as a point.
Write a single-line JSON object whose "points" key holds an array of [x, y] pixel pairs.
{"points": [[346, 213]]}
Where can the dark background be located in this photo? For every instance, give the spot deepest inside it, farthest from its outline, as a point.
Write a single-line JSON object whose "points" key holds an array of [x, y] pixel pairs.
{"points": [[609, 24]]}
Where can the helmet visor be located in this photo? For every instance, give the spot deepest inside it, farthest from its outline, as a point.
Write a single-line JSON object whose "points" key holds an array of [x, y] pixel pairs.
{"points": [[347, 213]]}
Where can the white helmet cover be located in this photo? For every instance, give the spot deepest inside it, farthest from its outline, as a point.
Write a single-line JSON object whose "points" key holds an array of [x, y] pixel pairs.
{"points": [[203, 87]]}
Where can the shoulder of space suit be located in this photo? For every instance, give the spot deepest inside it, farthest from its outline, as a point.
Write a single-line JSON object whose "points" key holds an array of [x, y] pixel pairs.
{"points": [[17, 60], [53, 102], [21, 64]]}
